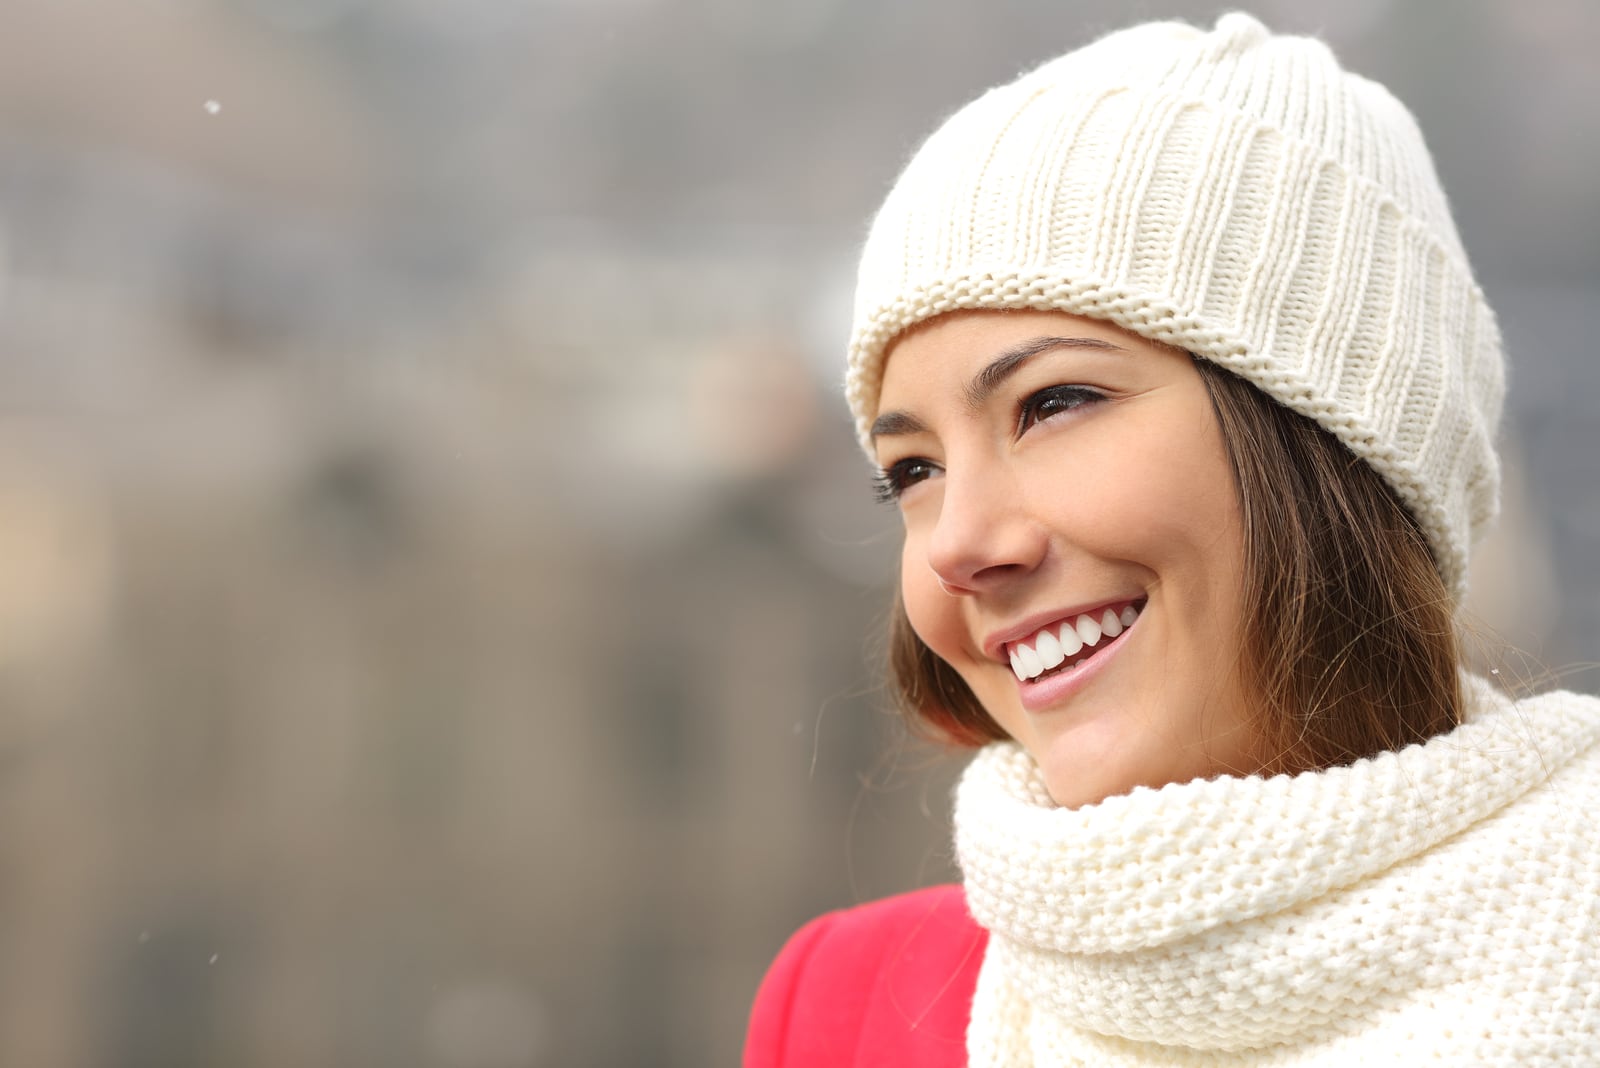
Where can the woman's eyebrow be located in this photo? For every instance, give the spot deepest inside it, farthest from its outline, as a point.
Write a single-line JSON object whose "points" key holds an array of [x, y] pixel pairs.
{"points": [[1003, 366], [891, 423], [986, 381]]}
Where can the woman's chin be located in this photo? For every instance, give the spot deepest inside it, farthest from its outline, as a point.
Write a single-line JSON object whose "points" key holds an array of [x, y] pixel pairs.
{"points": [[1088, 757], [1084, 767], [1074, 782]]}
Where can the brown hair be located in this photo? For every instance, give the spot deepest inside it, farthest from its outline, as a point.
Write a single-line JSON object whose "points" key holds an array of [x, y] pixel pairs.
{"points": [[1350, 643]]}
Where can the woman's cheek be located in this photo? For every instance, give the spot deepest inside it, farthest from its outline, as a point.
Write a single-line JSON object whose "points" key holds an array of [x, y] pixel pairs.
{"points": [[919, 588]]}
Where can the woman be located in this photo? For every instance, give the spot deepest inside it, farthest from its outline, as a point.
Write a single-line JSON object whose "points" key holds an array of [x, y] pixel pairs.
{"points": [[1171, 359]]}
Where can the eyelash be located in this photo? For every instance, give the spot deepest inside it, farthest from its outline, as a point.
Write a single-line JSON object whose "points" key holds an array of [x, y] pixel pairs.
{"points": [[889, 484], [1077, 396]]}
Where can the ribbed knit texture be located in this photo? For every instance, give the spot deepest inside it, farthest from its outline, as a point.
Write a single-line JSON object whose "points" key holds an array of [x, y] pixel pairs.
{"points": [[1436, 905], [1232, 193]]}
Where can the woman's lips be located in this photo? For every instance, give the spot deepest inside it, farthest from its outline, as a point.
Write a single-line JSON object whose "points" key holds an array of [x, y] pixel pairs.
{"points": [[1051, 688], [1066, 641]]}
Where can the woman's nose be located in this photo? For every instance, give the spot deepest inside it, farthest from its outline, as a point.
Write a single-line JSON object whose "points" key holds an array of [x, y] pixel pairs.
{"points": [[984, 535]]}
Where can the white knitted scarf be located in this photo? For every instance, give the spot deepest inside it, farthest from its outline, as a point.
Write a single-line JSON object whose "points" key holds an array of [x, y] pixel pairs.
{"points": [[1436, 905]]}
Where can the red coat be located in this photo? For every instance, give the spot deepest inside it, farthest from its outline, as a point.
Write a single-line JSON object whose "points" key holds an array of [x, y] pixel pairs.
{"points": [[884, 984]]}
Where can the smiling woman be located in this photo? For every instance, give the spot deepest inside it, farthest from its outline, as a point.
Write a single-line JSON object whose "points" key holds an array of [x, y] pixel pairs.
{"points": [[1049, 491], [1327, 553], [1171, 361]]}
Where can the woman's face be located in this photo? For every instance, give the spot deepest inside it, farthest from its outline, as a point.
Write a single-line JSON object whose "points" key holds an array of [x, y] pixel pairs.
{"points": [[1073, 543]]}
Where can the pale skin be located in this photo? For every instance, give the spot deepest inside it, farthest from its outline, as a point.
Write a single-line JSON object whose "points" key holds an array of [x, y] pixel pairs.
{"points": [[1045, 465]]}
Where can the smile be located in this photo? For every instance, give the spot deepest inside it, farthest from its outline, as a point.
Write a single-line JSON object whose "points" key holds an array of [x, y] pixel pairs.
{"points": [[1067, 644]]}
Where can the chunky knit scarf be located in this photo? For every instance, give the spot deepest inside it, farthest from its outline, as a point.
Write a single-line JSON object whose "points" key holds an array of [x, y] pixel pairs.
{"points": [[1437, 905]]}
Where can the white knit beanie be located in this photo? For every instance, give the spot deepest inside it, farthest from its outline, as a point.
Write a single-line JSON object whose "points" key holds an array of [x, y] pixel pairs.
{"points": [[1232, 193]]}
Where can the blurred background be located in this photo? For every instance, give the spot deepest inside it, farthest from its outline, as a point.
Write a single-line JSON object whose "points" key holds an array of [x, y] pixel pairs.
{"points": [[439, 591]]}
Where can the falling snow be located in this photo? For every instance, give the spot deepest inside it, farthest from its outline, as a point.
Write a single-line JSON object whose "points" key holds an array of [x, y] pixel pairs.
{"points": [[213, 106]]}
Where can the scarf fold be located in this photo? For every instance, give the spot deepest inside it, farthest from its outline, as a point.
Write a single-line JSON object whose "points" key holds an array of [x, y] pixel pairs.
{"points": [[1443, 899]]}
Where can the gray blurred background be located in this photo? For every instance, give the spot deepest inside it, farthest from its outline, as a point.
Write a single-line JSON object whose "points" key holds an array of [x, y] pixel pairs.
{"points": [[439, 592]]}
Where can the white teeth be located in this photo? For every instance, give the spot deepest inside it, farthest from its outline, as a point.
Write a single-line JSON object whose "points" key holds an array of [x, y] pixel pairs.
{"points": [[1049, 650], [1031, 664], [1070, 642]]}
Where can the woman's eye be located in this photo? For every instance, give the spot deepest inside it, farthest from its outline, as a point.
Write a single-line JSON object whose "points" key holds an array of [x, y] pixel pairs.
{"points": [[900, 476], [1053, 401]]}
